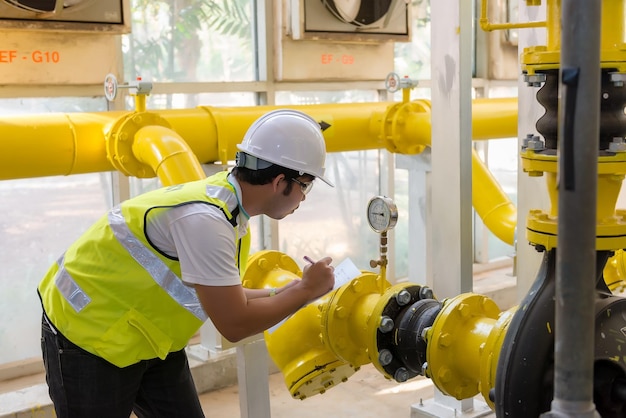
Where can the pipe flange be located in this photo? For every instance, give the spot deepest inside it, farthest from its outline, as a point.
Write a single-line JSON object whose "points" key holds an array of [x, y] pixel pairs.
{"points": [[611, 162], [541, 229], [324, 376], [394, 127], [537, 162], [491, 354], [120, 139], [341, 317]]}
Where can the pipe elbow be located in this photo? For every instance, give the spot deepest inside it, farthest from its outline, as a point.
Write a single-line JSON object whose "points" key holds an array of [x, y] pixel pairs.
{"points": [[167, 154], [502, 222]]}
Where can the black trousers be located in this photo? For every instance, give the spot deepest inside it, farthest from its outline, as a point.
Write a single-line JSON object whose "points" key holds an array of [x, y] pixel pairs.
{"points": [[83, 385]]}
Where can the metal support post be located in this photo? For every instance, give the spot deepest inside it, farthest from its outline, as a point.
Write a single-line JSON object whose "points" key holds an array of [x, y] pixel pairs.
{"points": [[579, 127]]}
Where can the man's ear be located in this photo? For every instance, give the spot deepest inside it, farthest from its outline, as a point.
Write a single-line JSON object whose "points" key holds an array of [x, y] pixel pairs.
{"points": [[276, 181]]}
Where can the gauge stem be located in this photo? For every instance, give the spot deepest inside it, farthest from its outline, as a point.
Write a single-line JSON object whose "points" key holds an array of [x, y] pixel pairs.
{"points": [[383, 260]]}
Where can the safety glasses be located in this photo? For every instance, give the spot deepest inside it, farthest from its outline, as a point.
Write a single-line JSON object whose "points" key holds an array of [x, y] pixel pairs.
{"points": [[305, 187]]}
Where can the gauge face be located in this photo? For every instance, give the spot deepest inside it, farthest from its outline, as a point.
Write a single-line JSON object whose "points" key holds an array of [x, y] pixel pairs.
{"points": [[382, 213], [110, 87]]}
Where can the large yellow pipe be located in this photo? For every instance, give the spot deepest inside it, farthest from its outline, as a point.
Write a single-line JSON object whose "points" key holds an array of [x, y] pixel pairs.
{"points": [[54, 144], [75, 143]]}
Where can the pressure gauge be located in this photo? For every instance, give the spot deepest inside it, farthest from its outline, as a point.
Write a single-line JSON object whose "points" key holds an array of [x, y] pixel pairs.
{"points": [[382, 213]]}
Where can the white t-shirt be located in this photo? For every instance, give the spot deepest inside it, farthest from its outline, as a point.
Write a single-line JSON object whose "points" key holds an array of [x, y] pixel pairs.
{"points": [[203, 240]]}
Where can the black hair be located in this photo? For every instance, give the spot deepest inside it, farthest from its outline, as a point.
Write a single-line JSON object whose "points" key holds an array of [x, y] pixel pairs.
{"points": [[266, 175]]}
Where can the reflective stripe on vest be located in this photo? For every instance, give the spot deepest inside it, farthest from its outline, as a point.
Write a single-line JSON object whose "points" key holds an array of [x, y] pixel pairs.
{"points": [[162, 275], [70, 290]]}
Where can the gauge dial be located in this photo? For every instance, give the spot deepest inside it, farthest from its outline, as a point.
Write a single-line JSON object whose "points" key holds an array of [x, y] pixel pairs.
{"points": [[110, 87], [382, 213]]}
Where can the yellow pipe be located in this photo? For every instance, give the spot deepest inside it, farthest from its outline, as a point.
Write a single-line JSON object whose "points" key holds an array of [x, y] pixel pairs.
{"points": [[336, 334], [407, 125], [54, 144], [488, 26], [353, 127], [553, 28], [77, 141], [167, 154], [140, 102], [494, 118], [491, 203], [464, 344], [164, 143], [612, 37]]}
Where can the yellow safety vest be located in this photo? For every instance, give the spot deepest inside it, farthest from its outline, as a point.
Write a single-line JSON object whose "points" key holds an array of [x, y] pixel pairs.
{"points": [[116, 296]]}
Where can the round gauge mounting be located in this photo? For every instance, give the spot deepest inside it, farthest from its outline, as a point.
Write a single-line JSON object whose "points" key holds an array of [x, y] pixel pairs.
{"points": [[382, 213], [392, 82], [110, 87]]}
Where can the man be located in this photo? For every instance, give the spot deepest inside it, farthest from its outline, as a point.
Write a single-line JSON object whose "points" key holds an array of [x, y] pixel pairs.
{"points": [[122, 302]]}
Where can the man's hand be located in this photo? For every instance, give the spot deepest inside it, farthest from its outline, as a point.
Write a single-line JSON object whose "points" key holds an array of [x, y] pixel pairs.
{"points": [[318, 278]]}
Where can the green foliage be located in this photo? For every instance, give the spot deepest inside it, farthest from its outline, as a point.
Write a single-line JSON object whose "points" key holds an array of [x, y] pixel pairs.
{"points": [[169, 36], [229, 18]]}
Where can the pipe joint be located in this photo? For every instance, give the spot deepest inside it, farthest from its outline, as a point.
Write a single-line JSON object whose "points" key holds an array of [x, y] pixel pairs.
{"points": [[406, 127], [120, 139]]}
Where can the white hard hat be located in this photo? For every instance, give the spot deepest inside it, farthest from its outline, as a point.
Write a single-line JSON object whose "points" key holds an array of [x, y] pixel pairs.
{"points": [[288, 138]]}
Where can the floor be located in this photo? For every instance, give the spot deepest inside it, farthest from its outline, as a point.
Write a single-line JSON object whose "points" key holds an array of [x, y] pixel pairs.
{"points": [[366, 394]]}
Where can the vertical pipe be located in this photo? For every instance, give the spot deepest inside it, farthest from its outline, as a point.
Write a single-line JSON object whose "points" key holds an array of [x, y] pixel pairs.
{"points": [[553, 27], [579, 111]]}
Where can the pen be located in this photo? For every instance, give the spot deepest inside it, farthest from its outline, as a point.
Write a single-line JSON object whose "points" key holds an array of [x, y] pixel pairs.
{"points": [[309, 259]]}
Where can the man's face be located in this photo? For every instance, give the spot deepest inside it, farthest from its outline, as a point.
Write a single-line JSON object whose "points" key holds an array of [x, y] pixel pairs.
{"points": [[290, 194]]}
